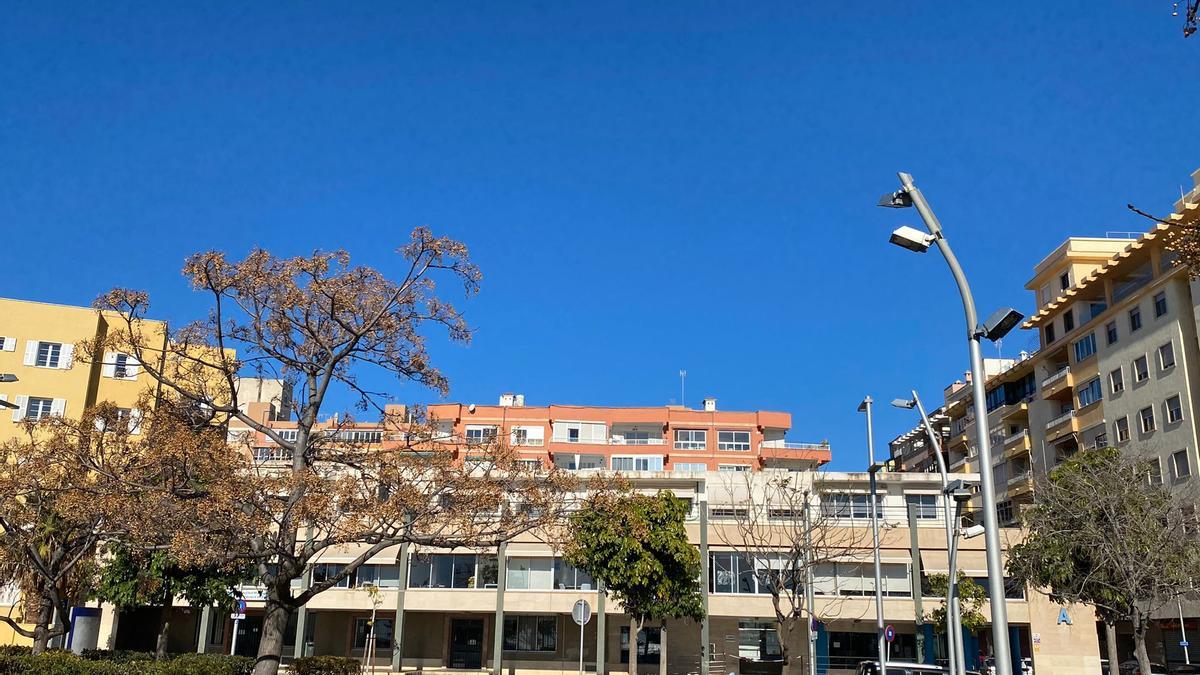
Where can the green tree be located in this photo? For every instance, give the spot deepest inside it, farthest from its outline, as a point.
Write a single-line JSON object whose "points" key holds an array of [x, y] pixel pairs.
{"points": [[637, 546], [971, 597], [130, 579], [1103, 532]]}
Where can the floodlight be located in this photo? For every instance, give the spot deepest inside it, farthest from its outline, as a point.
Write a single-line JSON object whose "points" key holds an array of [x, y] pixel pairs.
{"points": [[912, 239], [973, 531], [895, 200], [905, 403], [7, 377], [959, 490], [1000, 322]]}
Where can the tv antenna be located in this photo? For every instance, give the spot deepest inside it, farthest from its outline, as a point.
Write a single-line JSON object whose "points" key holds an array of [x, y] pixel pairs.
{"points": [[682, 379]]}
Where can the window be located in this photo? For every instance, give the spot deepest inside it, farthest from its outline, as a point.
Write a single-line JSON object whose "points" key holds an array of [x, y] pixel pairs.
{"points": [[1160, 304], [382, 576], [528, 573], [364, 436], [1154, 471], [383, 633], [733, 467], [1166, 355], [1089, 393], [323, 572], [49, 354], [1135, 319], [1116, 381], [733, 440], [691, 439], [844, 505], [36, 408], [925, 506], [288, 435], [1068, 321], [568, 578], [1064, 281], [1085, 347], [690, 467], [528, 436], [638, 463], [1180, 464], [1110, 332], [1174, 409], [1147, 420], [529, 464], [594, 433], [759, 641], [1095, 309], [1004, 512], [8, 344], [530, 633], [1141, 369], [1121, 429], [734, 573], [728, 512], [124, 367], [481, 434], [452, 571], [1050, 337]]}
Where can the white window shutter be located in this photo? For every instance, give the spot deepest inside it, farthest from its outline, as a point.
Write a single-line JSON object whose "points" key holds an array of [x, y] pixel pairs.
{"points": [[19, 413], [68, 357], [132, 367], [58, 407], [10, 344], [110, 365], [135, 421], [31, 347]]}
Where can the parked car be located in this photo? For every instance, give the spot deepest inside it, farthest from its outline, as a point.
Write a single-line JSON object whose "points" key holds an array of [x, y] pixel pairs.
{"points": [[1131, 668], [905, 668], [1026, 666], [1185, 669]]}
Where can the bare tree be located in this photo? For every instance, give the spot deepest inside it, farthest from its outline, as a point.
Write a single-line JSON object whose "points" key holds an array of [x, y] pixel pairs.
{"points": [[329, 326], [772, 521]]}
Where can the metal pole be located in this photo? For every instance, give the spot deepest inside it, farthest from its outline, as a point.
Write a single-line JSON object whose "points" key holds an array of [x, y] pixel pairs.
{"points": [[233, 642], [952, 603], [880, 641], [206, 617], [580, 649], [498, 633], [398, 627], [810, 594], [1183, 633], [1000, 645], [702, 505], [953, 620], [601, 642]]}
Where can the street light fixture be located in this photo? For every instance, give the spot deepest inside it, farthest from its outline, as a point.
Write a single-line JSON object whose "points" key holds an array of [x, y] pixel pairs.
{"points": [[912, 239], [6, 378], [909, 195], [956, 658], [880, 639]]}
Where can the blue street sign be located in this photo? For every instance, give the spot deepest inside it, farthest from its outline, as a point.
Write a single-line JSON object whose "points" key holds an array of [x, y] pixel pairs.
{"points": [[1183, 643], [889, 633]]}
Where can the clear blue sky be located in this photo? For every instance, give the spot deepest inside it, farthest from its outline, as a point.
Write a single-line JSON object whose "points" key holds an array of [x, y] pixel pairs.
{"points": [[647, 186]]}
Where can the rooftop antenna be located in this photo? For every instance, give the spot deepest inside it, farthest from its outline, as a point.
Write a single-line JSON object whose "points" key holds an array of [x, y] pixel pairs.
{"points": [[682, 378]]}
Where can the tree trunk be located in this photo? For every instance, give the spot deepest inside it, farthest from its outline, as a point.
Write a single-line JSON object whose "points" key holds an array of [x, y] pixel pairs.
{"points": [[635, 627], [662, 649], [270, 646], [41, 630], [164, 629], [1139, 644], [1110, 636]]}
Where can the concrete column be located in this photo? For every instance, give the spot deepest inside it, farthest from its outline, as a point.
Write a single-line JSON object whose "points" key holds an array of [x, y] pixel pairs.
{"points": [[109, 617], [498, 633], [601, 651], [915, 580], [205, 627], [398, 626]]}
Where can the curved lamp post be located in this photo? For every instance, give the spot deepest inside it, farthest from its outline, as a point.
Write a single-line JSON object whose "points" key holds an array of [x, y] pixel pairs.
{"points": [[994, 328]]}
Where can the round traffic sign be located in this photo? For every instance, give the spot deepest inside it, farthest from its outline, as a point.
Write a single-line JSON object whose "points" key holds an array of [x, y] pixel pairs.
{"points": [[581, 612], [889, 633]]}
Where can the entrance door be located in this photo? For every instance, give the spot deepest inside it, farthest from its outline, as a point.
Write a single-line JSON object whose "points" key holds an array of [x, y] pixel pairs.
{"points": [[466, 643], [249, 632]]}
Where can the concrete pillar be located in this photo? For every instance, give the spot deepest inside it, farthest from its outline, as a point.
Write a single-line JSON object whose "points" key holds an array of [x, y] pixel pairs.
{"points": [[924, 649], [498, 633], [398, 626], [206, 617], [702, 504], [109, 617]]}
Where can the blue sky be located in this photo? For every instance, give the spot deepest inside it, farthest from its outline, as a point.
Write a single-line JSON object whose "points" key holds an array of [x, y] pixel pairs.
{"points": [[646, 186]]}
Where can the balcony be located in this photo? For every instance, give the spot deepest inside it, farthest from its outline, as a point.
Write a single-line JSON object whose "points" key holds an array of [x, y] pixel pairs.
{"points": [[1020, 483], [1022, 435], [1058, 382], [816, 452], [1063, 423], [1012, 410], [625, 440]]}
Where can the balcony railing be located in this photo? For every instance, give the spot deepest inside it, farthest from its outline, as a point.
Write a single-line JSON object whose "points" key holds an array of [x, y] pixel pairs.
{"points": [[620, 440], [1022, 477], [1015, 437], [1056, 376], [785, 445], [1061, 419]]}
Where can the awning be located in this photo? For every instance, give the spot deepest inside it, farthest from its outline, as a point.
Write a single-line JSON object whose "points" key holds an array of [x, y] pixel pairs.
{"points": [[973, 563]]}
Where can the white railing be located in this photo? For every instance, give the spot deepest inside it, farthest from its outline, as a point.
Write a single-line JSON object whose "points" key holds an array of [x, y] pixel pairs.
{"points": [[1021, 478], [272, 454], [529, 442], [1056, 376], [784, 445], [621, 440], [579, 440], [1016, 437], [1065, 417]]}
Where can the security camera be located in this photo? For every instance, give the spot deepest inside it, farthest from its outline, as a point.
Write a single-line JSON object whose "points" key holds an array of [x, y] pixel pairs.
{"points": [[912, 239]]}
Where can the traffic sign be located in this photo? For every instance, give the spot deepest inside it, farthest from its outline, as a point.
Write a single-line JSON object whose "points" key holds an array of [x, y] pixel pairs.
{"points": [[1183, 643], [581, 612], [239, 609], [889, 633]]}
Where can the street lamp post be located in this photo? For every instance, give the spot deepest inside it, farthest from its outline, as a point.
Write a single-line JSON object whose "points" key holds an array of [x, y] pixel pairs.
{"points": [[865, 407], [993, 328], [955, 657]]}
